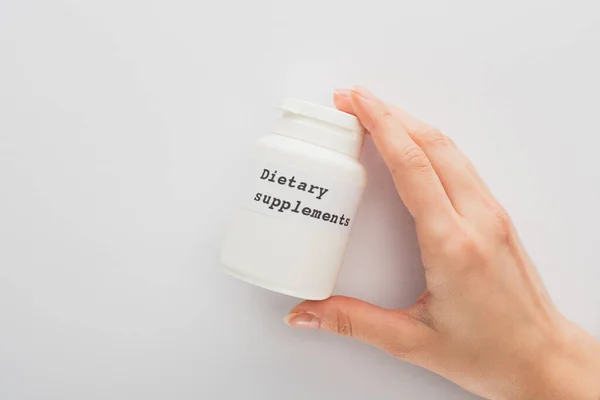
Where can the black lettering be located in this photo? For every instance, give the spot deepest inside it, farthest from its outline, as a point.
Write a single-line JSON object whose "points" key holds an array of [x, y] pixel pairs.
{"points": [[312, 187], [302, 186], [342, 218], [284, 206], [298, 202], [275, 203], [265, 174], [316, 214], [266, 199], [326, 216], [322, 191], [334, 219], [306, 211], [257, 197], [347, 221], [272, 178], [282, 180], [292, 180]]}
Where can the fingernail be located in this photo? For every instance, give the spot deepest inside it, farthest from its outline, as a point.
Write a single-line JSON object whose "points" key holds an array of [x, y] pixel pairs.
{"points": [[363, 93], [342, 93], [302, 321]]}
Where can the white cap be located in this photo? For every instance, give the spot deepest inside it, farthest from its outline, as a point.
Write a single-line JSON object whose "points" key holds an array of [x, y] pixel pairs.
{"points": [[320, 125]]}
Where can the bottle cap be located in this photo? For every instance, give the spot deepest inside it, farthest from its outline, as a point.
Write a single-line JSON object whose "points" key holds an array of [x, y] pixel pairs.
{"points": [[321, 125]]}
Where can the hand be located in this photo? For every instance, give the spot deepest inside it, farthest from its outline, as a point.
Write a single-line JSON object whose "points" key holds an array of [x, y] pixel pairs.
{"points": [[485, 320]]}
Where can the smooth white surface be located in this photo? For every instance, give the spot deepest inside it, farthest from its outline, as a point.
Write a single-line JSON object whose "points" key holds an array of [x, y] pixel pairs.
{"points": [[124, 125]]}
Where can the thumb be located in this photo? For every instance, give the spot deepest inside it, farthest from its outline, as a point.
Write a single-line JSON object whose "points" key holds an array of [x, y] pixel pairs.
{"points": [[395, 331]]}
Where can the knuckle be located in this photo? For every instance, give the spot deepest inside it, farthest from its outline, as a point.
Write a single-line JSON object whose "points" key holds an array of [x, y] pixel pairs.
{"points": [[343, 325], [439, 232], [386, 113], [501, 221], [435, 137], [463, 249], [411, 157], [382, 120]]}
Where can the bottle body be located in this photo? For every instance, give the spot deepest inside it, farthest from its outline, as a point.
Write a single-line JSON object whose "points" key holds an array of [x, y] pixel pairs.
{"points": [[292, 228]]}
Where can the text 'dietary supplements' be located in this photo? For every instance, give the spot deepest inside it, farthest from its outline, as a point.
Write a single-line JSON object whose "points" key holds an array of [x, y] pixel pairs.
{"points": [[303, 190]]}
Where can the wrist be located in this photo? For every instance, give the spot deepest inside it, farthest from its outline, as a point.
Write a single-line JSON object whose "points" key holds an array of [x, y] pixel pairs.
{"points": [[569, 367]]}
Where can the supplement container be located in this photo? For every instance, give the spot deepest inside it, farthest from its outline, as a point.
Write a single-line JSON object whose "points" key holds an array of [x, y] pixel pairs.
{"points": [[298, 204]]}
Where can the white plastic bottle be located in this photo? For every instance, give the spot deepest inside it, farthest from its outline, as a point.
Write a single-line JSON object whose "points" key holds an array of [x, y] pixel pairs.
{"points": [[291, 230]]}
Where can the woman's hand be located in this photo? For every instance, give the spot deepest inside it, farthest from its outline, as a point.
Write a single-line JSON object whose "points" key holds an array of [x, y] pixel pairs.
{"points": [[485, 320]]}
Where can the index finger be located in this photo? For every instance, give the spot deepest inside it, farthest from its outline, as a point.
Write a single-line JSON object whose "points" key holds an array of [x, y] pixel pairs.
{"points": [[416, 181]]}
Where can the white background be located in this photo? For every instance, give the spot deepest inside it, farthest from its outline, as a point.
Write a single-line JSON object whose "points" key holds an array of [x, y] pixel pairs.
{"points": [[123, 128]]}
